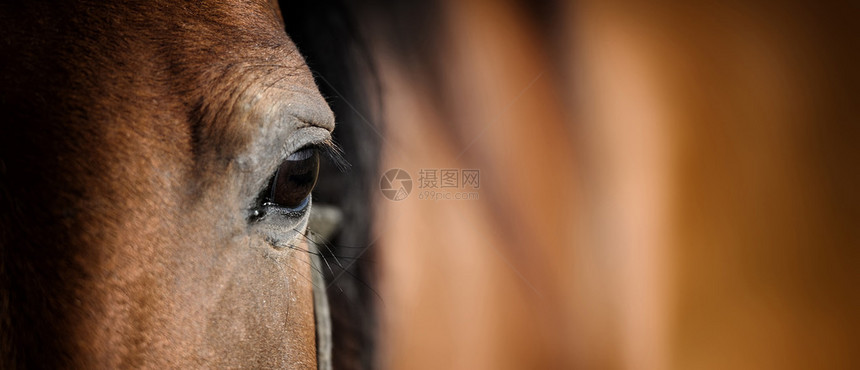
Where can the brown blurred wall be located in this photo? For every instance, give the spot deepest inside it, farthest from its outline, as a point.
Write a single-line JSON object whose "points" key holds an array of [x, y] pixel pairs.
{"points": [[662, 186]]}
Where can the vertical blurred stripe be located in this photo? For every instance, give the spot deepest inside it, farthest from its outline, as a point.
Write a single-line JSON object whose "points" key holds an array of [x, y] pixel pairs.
{"points": [[664, 185]]}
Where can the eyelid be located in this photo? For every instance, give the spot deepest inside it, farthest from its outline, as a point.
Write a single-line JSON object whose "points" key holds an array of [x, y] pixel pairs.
{"points": [[303, 153], [327, 148], [303, 137]]}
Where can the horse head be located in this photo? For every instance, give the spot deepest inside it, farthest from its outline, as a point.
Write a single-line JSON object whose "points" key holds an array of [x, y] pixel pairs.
{"points": [[143, 222]]}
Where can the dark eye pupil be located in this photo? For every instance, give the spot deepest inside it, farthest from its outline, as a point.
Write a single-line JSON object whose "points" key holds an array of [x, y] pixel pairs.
{"points": [[295, 179]]}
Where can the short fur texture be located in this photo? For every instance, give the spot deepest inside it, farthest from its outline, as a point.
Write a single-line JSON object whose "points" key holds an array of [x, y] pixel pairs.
{"points": [[134, 136]]}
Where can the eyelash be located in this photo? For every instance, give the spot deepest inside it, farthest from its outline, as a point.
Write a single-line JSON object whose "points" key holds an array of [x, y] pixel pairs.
{"points": [[295, 177]]}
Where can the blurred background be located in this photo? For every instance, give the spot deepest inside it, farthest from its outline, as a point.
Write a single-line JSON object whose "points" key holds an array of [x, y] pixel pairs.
{"points": [[661, 185]]}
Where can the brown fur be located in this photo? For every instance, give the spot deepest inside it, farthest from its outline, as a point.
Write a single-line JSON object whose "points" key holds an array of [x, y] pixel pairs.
{"points": [[135, 136]]}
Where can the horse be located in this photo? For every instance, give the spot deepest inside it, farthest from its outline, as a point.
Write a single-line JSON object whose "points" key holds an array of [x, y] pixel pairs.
{"points": [[156, 165], [661, 186]]}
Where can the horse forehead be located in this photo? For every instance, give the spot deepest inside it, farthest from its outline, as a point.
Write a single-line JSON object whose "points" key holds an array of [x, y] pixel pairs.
{"points": [[226, 69], [192, 43], [225, 42]]}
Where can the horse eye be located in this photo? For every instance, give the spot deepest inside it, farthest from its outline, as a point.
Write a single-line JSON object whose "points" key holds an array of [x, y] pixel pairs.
{"points": [[292, 184]]}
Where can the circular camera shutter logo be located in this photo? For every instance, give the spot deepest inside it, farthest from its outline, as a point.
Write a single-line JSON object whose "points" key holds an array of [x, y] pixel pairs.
{"points": [[396, 184]]}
